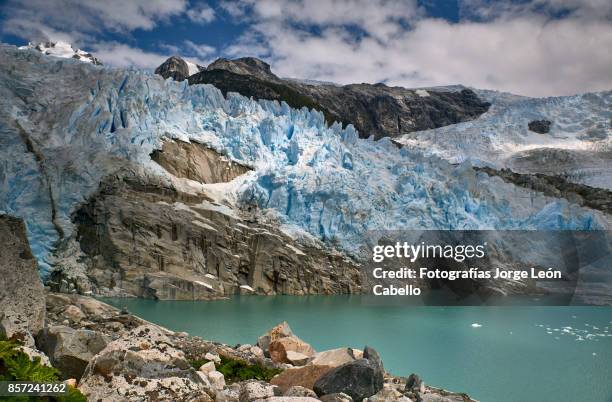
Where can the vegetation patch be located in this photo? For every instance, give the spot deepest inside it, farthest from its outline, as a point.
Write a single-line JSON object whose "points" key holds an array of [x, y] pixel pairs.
{"points": [[237, 370], [16, 365]]}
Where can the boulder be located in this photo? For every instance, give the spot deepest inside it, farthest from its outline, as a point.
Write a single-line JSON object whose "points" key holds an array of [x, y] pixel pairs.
{"points": [[70, 350], [279, 348], [414, 384], [337, 397], [296, 358], [21, 291], [229, 394], [207, 367], [373, 357], [74, 314], [539, 126], [282, 330], [359, 379], [288, 399], [253, 390], [15, 326], [297, 390], [333, 358], [212, 357], [217, 380], [143, 364], [388, 394], [303, 376]]}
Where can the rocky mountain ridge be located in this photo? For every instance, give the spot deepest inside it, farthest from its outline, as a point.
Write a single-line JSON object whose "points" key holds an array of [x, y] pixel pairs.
{"points": [[376, 110]]}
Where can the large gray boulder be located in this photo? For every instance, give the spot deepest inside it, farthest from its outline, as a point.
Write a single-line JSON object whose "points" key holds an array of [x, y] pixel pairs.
{"points": [[143, 364], [358, 379], [22, 297], [70, 350]]}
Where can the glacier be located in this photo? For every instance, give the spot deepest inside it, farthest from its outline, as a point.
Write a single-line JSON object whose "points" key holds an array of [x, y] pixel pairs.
{"points": [[580, 137], [65, 125]]}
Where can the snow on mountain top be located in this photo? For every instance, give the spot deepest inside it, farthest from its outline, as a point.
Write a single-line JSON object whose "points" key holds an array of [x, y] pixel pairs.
{"points": [[326, 181], [62, 49]]}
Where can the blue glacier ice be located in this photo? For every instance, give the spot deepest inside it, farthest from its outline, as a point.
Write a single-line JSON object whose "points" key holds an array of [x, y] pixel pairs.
{"points": [[86, 121]]}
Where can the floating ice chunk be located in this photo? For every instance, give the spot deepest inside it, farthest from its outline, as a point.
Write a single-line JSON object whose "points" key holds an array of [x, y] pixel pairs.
{"points": [[476, 325]]}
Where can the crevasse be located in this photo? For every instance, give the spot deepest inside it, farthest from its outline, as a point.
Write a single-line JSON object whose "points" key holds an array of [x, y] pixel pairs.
{"points": [[88, 120]]}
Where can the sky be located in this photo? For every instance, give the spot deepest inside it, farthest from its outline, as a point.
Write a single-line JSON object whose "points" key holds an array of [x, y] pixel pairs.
{"points": [[526, 47]]}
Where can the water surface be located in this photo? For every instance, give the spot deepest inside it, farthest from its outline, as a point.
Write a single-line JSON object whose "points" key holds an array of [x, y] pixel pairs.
{"points": [[497, 354]]}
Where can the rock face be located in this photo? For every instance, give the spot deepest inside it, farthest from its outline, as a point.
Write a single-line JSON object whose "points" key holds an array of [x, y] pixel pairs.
{"points": [[145, 238], [373, 109], [359, 379], [22, 298], [174, 67], [142, 364], [244, 66], [539, 126], [70, 350], [197, 162]]}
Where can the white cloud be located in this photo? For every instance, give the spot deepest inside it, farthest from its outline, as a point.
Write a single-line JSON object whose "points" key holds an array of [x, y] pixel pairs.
{"points": [[199, 50], [512, 49], [26, 18], [202, 13], [122, 55]]}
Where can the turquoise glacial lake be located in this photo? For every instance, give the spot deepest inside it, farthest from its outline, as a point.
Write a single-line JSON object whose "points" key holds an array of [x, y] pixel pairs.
{"points": [[495, 354]]}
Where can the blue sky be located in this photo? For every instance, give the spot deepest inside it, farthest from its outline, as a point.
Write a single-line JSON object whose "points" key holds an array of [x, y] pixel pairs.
{"points": [[531, 47]]}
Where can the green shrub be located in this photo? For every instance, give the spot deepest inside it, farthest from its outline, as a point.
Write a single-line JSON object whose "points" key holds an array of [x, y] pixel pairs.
{"points": [[15, 365], [237, 370]]}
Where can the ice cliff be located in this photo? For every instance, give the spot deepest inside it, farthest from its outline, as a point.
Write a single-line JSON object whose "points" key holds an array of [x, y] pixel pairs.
{"points": [[64, 125]]}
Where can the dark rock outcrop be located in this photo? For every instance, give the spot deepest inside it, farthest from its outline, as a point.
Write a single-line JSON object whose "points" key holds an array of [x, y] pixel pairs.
{"points": [[359, 379], [539, 126], [22, 298], [174, 67], [557, 186], [376, 110]]}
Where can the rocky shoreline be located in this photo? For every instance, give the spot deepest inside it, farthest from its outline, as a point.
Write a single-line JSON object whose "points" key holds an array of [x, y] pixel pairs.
{"points": [[111, 355]]}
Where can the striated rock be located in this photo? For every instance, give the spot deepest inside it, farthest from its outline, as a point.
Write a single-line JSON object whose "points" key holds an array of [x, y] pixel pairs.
{"points": [[305, 376], [22, 299], [253, 390], [298, 390], [144, 238], [174, 67], [359, 379], [70, 350], [337, 397], [333, 358], [197, 162], [142, 364], [539, 126]]}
